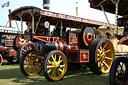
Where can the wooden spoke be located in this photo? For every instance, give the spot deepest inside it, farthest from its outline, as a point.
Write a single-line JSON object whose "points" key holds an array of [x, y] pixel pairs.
{"points": [[98, 54], [101, 47], [60, 70], [62, 66], [99, 51], [106, 64], [50, 66], [59, 58], [23, 50], [53, 73], [107, 51], [27, 67], [49, 71], [32, 69], [108, 58], [35, 68], [99, 64], [60, 61], [53, 58], [104, 46], [102, 68], [98, 59], [39, 64], [49, 62]]}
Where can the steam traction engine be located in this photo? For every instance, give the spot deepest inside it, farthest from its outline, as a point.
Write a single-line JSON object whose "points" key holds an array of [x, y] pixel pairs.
{"points": [[72, 41], [10, 41], [7, 51]]}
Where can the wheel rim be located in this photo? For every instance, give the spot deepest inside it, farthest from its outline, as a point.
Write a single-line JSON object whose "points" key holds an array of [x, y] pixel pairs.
{"points": [[56, 66], [32, 64], [26, 48], [122, 73], [1, 59], [105, 56]]}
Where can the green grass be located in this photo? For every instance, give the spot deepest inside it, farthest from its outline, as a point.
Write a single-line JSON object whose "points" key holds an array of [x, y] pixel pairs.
{"points": [[11, 75]]}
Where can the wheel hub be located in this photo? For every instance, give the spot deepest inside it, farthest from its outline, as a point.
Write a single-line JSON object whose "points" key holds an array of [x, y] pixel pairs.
{"points": [[102, 56], [31, 63], [56, 65]]}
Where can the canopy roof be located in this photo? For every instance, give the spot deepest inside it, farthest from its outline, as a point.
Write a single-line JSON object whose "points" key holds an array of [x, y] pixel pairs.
{"points": [[109, 6], [27, 12]]}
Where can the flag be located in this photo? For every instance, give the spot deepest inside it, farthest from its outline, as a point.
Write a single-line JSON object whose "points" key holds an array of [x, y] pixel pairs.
{"points": [[5, 5]]}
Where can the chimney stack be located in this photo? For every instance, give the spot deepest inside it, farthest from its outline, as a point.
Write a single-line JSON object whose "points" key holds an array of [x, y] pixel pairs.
{"points": [[10, 22], [46, 4]]}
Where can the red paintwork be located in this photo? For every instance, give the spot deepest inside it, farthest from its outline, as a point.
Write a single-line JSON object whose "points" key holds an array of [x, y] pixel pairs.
{"points": [[12, 53], [84, 56], [73, 47], [20, 41], [46, 39], [86, 38], [61, 45], [3, 49], [9, 42], [123, 40]]}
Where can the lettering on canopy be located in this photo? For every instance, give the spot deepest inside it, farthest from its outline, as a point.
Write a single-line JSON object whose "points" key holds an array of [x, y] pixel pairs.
{"points": [[73, 18]]}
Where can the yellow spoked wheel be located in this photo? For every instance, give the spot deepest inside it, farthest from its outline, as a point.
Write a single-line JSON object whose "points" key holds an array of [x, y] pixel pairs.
{"points": [[102, 55], [54, 65], [30, 63]]}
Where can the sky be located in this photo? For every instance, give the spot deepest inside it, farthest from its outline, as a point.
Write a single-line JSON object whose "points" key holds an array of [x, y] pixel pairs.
{"points": [[60, 6]]}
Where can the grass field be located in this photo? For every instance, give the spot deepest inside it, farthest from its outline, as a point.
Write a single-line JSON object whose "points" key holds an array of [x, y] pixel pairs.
{"points": [[11, 75]]}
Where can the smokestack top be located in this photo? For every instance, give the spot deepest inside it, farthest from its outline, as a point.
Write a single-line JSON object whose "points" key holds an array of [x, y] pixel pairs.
{"points": [[46, 4]]}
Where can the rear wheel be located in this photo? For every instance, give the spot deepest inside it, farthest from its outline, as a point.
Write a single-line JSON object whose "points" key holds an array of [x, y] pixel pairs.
{"points": [[24, 48], [119, 72], [55, 65], [30, 63], [102, 55]]}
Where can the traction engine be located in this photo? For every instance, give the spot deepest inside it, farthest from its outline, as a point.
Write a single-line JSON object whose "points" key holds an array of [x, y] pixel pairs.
{"points": [[71, 43]]}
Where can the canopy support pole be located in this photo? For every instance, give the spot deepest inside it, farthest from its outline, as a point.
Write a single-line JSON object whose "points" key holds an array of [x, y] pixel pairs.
{"points": [[21, 25], [37, 23], [106, 18], [116, 18], [33, 25], [61, 29]]}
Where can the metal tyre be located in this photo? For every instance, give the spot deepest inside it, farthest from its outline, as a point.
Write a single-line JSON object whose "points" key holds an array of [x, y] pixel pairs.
{"points": [[102, 54], [30, 63], [54, 65], [1, 59], [119, 72], [24, 48]]}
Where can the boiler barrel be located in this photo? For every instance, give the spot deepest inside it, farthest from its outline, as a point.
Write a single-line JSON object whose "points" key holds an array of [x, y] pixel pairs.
{"points": [[43, 48]]}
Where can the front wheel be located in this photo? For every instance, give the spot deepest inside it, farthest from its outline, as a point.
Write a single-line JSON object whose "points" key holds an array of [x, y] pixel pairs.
{"points": [[30, 63], [54, 65], [102, 54], [119, 72]]}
